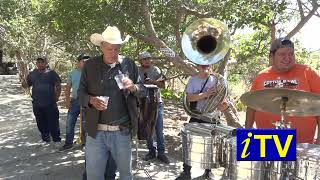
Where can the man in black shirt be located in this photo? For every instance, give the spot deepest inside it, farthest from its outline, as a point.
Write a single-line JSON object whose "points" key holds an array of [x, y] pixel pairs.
{"points": [[46, 89]]}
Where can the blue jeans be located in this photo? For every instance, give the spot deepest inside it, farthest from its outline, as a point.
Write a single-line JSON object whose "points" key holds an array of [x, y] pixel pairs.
{"points": [[110, 172], [98, 149], [159, 133], [72, 117]]}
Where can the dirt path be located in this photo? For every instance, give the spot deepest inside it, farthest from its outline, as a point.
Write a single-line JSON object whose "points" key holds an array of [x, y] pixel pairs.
{"points": [[22, 156]]}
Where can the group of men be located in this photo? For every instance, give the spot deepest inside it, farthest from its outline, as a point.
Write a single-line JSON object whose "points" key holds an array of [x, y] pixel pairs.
{"points": [[110, 124]]}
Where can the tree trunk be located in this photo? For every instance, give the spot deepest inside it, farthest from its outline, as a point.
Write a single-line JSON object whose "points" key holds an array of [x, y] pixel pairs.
{"points": [[1, 56], [223, 64], [22, 67]]}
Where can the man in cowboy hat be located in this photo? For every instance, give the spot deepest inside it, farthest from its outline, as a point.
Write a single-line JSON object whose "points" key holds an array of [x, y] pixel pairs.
{"points": [[110, 105], [151, 74]]}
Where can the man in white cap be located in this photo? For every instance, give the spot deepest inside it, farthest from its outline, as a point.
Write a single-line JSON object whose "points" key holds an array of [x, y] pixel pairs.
{"points": [[108, 91], [151, 74]]}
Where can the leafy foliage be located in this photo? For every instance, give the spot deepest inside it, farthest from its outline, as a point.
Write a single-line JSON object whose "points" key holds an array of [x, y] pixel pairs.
{"points": [[170, 94], [61, 29]]}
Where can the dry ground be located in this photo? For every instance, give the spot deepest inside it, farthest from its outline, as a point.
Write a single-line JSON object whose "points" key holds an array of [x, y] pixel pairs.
{"points": [[22, 156]]}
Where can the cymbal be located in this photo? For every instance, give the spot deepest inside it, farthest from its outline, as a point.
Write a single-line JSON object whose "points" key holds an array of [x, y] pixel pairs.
{"points": [[300, 103]]}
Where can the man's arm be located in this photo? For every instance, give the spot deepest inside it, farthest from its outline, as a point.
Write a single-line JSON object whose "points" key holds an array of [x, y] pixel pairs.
{"points": [[249, 117], [67, 94], [196, 97], [230, 113], [139, 89], [57, 85], [318, 125], [57, 90], [83, 96], [26, 82], [160, 84]]}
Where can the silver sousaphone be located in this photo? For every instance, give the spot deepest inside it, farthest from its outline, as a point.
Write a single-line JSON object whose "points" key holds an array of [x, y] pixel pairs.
{"points": [[206, 42]]}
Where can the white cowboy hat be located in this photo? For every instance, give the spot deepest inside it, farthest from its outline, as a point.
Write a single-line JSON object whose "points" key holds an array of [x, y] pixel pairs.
{"points": [[111, 35]]}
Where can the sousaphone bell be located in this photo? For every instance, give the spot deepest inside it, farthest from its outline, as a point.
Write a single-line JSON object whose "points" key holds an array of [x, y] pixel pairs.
{"points": [[206, 42]]}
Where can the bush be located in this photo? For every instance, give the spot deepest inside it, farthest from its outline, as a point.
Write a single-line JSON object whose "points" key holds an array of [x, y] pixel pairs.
{"points": [[170, 94]]}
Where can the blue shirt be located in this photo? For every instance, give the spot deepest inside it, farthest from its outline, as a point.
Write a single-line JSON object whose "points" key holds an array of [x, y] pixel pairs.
{"points": [[74, 80], [43, 86]]}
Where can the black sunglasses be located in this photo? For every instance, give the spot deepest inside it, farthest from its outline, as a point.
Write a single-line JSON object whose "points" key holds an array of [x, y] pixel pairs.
{"points": [[286, 42]]}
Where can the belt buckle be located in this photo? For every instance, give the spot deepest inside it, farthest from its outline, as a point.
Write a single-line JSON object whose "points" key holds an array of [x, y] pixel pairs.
{"points": [[112, 128]]}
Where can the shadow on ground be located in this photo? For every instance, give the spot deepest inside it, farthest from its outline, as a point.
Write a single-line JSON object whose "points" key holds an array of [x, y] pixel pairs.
{"points": [[23, 156]]}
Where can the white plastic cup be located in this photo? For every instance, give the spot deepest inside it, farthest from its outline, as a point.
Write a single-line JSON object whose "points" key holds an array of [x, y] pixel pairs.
{"points": [[119, 79], [105, 99]]}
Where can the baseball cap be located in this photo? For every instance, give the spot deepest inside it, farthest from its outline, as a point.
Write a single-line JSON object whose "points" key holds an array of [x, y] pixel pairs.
{"points": [[41, 58], [144, 55], [281, 43], [83, 56]]}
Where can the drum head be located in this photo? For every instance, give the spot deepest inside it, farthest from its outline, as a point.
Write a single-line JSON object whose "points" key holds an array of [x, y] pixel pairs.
{"points": [[198, 129]]}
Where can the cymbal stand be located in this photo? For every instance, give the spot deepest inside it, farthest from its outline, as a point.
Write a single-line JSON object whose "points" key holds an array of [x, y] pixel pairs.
{"points": [[281, 124], [139, 165]]}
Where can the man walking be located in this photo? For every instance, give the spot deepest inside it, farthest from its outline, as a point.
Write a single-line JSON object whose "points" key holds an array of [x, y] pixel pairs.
{"points": [[46, 90]]}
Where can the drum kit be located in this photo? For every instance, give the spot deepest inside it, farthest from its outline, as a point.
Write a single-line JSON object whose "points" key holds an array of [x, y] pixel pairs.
{"points": [[207, 145], [212, 145]]}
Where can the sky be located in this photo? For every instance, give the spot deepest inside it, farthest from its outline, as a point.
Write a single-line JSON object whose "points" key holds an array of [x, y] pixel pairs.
{"points": [[310, 34]]}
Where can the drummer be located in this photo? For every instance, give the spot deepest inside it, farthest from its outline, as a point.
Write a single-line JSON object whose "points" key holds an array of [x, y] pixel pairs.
{"points": [[151, 74], [284, 72], [199, 88]]}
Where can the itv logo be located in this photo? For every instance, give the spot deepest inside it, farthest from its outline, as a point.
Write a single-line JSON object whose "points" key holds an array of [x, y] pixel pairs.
{"points": [[266, 144]]}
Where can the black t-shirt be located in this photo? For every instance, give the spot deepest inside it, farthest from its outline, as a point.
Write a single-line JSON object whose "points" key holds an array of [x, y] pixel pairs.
{"points": [[43, 86]]}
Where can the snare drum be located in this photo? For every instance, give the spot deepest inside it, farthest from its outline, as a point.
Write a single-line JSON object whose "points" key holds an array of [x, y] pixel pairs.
{"points": [[199, 146], [279, 170], [308, 161], [241, 170]]}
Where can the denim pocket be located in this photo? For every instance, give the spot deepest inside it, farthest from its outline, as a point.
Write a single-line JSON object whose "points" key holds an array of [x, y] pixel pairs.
{"points": [[125, 132]]}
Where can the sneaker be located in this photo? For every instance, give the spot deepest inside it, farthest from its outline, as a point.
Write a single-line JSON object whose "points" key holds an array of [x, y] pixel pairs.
{"points": [[208, 175], [66, 147], [163, 158], [57, 144], [184, 176], [44, 143], [149, 156]]}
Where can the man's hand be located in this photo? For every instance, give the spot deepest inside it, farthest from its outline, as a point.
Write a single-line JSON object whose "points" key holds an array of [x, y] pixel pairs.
{"points": [[98, 103], [128, 84], [212, 91], [67, 103], [317, 141], [223, 106], [24, 83], [150, 81]]}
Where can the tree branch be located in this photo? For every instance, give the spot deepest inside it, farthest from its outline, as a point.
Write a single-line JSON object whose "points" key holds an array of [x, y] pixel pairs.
{"points": [[223, 64], [177, 28], [147, 17], [300, 9], [194, 12], [304, 20]]}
